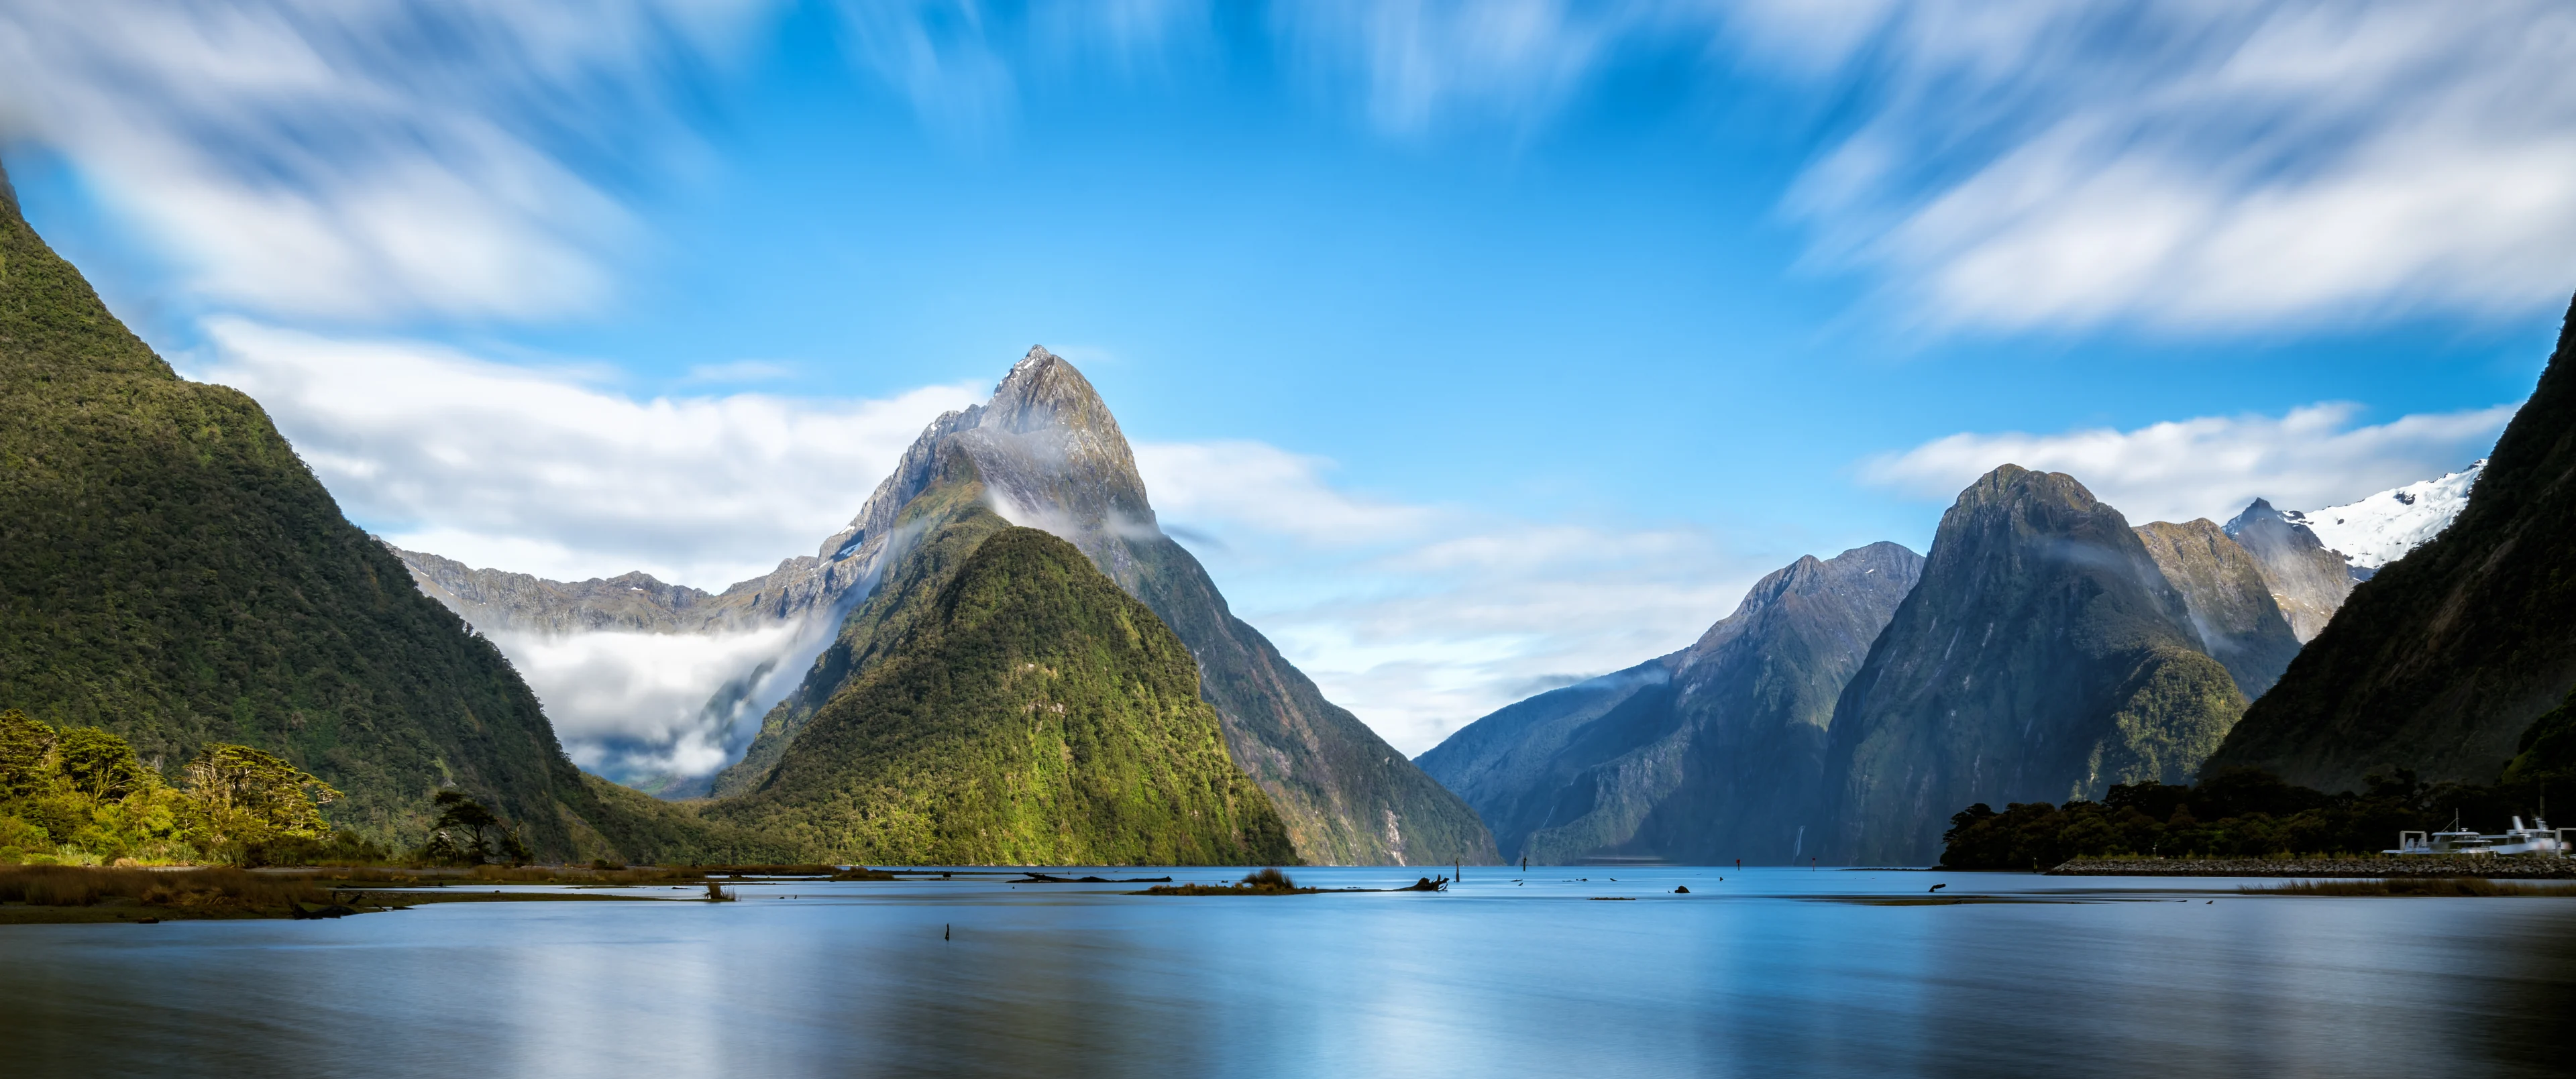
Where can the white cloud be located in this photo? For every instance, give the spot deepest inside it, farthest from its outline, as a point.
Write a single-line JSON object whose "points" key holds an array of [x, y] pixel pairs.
{"points": [[552, 473], [309, 157], [1421, 618], [1423, 64], [2212, 466], [963, 66], [1271, 490], [634, 705], [2202, 165]]}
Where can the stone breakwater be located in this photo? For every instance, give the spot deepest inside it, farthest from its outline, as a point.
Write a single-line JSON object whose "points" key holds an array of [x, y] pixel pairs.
{"points": [[2518, 867]]}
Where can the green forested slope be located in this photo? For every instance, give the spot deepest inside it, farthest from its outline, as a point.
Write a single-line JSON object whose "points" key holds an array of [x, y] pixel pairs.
{"points": [[1023, 710], [170, 571], [941, 528], [2441, 661]]}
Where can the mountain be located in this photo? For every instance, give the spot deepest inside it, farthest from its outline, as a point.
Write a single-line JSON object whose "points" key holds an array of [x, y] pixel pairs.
{"points": [[2308, 581], [1712, 753], [2042, 656], [1027, 712], [1045, 452], [2443, 659], [171, 571], [638, 673], [2228, 597], [2380, 529]]}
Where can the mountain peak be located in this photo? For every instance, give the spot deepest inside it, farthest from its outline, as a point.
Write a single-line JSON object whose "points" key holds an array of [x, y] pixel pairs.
{"points": [[2010, 483], [8, 194], [2257, 510], [1045, 390]]}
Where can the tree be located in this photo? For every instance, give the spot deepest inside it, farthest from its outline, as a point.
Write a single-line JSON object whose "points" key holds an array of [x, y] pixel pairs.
{"points": [[98, 764], [26, 756], [249, 796], [467, 832]]}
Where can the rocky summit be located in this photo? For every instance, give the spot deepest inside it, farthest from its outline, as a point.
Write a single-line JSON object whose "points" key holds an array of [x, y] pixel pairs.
{"points": [[2442, 660], [2042, 657], [1045, 452], [2307, 580], [1709, 754]]}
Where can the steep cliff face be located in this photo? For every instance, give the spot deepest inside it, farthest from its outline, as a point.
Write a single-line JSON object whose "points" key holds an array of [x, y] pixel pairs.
{"points": [[2042, 657], [2441, 661], [1712, 753], [1022, 712], [2229, 600], [1046, 453], [169, 570], [2308, 582]]}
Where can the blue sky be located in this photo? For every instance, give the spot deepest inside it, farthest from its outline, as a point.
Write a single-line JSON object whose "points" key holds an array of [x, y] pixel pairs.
{"points": [[1473, 346]]}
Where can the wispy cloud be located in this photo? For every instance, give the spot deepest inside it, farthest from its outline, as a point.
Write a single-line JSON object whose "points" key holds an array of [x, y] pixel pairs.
{"points": [[314, 158], [963, 65], [1420, 618], [2212, 466], [736, 371], [2199, 166], [557, 474], [1420, 65]]}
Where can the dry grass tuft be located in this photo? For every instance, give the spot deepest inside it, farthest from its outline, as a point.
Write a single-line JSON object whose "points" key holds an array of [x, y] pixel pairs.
{"points": [[2418, 886], [82, 886]]}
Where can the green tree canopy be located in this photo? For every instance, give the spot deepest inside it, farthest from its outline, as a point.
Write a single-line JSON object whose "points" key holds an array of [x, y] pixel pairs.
{"points": [[26, 756], [467, 832], [250, 795], [98, 764]]}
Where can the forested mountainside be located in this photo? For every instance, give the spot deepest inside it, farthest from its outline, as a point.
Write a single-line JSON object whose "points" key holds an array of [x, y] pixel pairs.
{"points": [[2043, 656], [1045, 451], [1710, 754], [1020, 710], [2444, 659], [171, 571]]}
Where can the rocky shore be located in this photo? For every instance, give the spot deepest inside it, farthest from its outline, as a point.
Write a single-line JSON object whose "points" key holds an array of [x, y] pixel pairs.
{"points": [[2518, 867]]}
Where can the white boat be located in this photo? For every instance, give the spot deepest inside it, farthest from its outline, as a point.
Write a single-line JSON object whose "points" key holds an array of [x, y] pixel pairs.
{"points": [[2538, 838]]}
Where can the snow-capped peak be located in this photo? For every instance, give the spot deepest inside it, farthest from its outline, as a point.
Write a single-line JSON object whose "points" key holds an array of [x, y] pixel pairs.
{"points": [[2380, 529]]}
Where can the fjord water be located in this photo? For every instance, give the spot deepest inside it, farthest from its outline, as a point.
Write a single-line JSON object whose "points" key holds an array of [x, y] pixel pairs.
{"points": [[1769, 971]]}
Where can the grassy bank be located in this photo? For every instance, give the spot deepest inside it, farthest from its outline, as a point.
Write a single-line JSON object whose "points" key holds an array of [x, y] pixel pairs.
{"points": [[2439, 886], [32, 894]]}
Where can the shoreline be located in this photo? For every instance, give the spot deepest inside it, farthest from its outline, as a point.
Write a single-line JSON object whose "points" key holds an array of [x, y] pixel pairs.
{"points": [[2498, 867]]}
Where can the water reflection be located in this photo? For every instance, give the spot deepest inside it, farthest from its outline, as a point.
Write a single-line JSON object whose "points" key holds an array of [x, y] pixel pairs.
{"points": [[1753, 975]]}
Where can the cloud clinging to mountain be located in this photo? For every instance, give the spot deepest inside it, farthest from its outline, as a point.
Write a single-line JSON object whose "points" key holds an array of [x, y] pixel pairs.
{"points": [[2212, 466]]}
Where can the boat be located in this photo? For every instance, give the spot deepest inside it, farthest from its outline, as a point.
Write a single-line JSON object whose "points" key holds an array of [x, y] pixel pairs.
{"points": [[2537, 838]]}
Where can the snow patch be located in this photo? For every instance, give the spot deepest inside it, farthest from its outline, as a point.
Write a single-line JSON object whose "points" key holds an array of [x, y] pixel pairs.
{"points": [[2380, 529]]}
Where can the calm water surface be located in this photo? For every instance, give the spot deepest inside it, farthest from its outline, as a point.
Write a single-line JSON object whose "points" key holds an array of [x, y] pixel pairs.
{"points": [[1762, 973]]}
